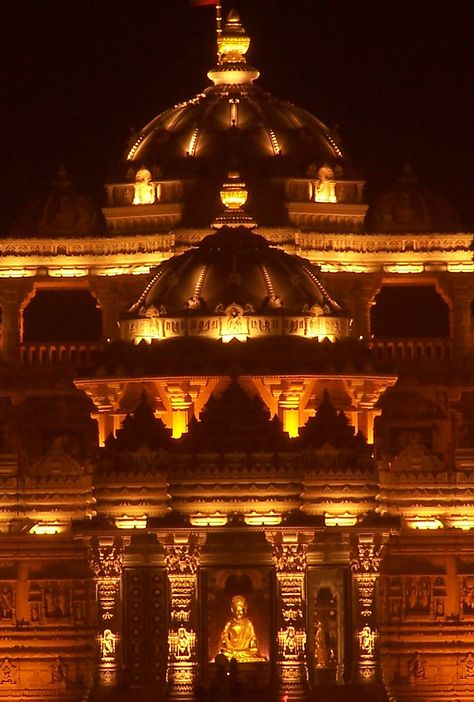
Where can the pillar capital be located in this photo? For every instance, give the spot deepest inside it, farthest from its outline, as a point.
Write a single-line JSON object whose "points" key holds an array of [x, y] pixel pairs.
{"points": [[14, 295], [106, 558]]}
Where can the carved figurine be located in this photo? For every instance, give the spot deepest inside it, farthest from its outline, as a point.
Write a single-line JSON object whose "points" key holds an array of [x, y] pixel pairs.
{"points": [[320, 646], [416, 669], [367, 641], [144, 190], [6, 602], [238, 638], [108, 644]]}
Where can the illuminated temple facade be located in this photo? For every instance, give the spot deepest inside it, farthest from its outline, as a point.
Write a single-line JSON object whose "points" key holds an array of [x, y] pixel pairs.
{"points": [[256, 479]]}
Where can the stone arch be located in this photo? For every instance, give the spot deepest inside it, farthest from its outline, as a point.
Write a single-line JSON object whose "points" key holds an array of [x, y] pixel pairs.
{"points": [[67, 313], [410, 311]]}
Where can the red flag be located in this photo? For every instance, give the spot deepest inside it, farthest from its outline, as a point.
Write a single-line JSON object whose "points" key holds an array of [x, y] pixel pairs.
{"points": [[201, 3]]}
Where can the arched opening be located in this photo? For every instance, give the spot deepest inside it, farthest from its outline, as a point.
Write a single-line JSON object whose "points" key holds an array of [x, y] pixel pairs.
{"points": [[62, 315], [409, 311]]}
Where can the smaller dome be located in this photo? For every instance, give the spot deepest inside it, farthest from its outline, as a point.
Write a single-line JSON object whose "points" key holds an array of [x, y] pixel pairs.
{"points": [[61, 212], [235, 285], [407, 206]]}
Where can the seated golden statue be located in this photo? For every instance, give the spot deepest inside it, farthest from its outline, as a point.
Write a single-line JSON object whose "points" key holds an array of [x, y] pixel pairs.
{"points": [[238, 638]]}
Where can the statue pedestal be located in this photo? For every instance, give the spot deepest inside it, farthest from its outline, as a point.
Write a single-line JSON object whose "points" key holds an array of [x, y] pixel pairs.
{"points": [[242, 677]]}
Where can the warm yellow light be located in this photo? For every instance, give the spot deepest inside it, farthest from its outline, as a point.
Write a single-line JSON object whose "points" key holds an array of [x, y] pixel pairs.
{"points": [[68, 272], [191, 150], [234, 193], [425, 523], [16, 273], [141, 270], [47, 528], [144, 189], [268, 519], [405, 268], [127, 522], [202, 520], [461, 267], [340, 520], [228, 337], [464, 523], [235, 44]]}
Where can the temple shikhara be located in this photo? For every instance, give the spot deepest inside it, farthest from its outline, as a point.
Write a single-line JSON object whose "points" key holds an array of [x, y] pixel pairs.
{"points": [[243, 468]]}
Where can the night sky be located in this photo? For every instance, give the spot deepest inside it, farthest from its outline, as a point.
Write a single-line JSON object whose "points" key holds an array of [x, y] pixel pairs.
{"points": [[396, 76]]}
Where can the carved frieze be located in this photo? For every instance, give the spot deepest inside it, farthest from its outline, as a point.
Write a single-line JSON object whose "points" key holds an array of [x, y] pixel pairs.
{"points": [[366, 557], [58, 602]]}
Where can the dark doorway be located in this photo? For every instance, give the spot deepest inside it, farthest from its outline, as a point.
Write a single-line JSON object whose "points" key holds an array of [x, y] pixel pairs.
{"points": [[409, 311], [62, 315]]}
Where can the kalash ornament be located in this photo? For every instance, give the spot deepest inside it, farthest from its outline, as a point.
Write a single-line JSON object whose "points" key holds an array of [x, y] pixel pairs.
{"points": [[234, 196], [232, 45]]}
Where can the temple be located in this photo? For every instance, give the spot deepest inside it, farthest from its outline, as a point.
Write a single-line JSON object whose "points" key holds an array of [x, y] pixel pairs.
{"points": [[237, 421]]}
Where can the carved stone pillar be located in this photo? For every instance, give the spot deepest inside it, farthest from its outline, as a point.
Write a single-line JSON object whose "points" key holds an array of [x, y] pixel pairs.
{"points": [[181, 407], [109, 302], [289, 406], [364, 301], [289, 558], [182, 560], [12, 301], [461, 322], [106, 562], [366, 557]]}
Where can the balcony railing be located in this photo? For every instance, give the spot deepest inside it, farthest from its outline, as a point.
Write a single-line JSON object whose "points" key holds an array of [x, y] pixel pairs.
{"points": [[397, 349], [73, 354]]}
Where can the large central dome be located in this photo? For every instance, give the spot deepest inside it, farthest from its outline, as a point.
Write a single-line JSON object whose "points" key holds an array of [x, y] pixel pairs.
{"points": [[235, 124]]}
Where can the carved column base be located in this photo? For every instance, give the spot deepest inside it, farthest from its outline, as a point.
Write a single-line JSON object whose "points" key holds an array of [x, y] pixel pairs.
{"points": [[181, 680], [293, 679], [107, 676], [367, 672]]}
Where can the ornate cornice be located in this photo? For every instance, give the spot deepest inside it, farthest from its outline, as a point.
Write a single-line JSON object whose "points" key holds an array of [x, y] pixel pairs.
{"points": [[122, 254]]}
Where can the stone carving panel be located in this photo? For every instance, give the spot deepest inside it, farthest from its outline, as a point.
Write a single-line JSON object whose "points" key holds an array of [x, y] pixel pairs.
{"points": [[418, 595], [7, 603], [58, 602], [467, 596]]}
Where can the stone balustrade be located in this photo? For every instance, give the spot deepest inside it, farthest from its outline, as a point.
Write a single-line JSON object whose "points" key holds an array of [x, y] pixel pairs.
{"points": [[75, 354], [430, 349]]}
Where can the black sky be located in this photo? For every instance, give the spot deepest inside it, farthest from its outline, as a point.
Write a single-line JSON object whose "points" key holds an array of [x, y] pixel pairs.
{"points": [[397, 76]]}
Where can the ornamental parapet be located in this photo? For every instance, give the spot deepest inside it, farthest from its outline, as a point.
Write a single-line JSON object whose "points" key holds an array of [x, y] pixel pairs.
{"points": [[397, 254], [385, 243]]}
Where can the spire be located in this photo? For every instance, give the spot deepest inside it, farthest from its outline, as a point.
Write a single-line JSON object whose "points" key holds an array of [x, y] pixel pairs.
{"points": [[233, 197], [232, 45]]}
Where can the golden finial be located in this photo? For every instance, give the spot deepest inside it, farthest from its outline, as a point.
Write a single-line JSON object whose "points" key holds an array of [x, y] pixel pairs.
{"points": [[232, 45], [234, 196]]}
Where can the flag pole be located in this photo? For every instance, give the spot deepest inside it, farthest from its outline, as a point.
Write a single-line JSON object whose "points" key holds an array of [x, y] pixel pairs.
{"points": [[218, 23]]}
